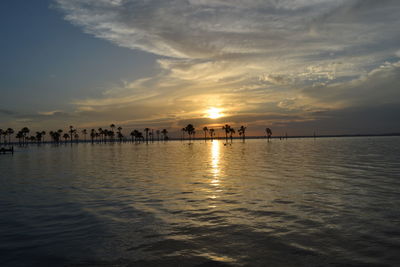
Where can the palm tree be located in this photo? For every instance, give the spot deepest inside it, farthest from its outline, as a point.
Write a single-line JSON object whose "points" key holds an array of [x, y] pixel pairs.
{"points": [[101, 133], [66, 136], [56, 136], [133, 135], [71, 132], [59, 131], [51, 133], [212, 133], [9, 131], [231, 132], [84, 132], [190, 130], [110, 134], [92, 135], [242, 132], [43, 134], [119, 134], [39, 137], [25, 131], [31, 138], [5, 135], [19, 136], [205, 129], [112, 126], [147, 134], [164, 132], [269, 133], [227, 131], [140, 136], [1, 133]]}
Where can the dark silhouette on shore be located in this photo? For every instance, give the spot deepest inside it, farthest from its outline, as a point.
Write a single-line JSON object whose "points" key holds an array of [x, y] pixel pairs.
{"points": [[269, 133], [191, 131], [205, 130], [212, 133], [242, 132], [115, 134], [227, 129]]}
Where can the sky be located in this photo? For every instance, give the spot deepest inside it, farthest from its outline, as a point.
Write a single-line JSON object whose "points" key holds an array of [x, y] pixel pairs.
{"points": [[296, 66]]}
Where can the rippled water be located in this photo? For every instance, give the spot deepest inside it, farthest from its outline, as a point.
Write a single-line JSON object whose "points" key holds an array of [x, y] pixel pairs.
{"points": [[300, 202]]}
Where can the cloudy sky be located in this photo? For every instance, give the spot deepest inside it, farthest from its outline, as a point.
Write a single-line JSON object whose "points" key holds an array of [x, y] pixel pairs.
{"points": [[296, 66]]}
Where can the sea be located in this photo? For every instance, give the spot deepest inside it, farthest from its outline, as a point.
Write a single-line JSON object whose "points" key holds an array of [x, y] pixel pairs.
{"points": [[294, 202]]}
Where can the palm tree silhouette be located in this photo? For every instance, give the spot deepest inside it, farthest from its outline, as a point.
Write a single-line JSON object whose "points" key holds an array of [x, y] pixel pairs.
{"points": [[190, 130], [132, 134], [269, 133], [164, 132], [71, 132], [5, 135], [205, 129], [231, 132], [212, 133], [43, 134], [147, 134], [39, 137], [56, 136], [119, 134], [227, 129], [31, 138], [84, 132], [140, 136], [59, 131], [92, 135], [9, 131], [1, 133], [242, 132], [101, 134], [66, 136], [25, 131], [19, 136]]}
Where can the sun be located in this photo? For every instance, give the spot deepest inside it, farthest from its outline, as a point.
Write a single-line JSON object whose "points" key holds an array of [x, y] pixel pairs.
{"points": [[214, 113]]}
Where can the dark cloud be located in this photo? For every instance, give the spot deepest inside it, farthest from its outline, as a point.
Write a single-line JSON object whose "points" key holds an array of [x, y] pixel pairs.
{"points": [[7, 112]]}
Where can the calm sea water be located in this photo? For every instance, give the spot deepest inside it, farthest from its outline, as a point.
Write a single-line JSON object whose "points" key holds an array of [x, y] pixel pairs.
{"points": [[303, 202]]}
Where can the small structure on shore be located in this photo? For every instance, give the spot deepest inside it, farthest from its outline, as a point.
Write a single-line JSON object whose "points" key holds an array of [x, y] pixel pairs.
{"points": [[4, 150]]}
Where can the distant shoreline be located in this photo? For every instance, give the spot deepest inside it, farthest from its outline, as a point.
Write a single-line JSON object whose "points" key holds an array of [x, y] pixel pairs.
{"points": [[215, 138]]}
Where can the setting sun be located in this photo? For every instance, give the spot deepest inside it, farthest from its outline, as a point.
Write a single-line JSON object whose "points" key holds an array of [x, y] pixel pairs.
{"points": [[214, 113]]}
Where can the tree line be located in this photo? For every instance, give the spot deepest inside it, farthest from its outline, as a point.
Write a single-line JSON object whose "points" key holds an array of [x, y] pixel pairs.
{"points": [[114, 134]]}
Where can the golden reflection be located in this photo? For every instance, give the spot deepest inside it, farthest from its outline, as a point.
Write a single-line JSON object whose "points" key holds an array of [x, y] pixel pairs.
{"points": [[214, 181], [215, 170]]}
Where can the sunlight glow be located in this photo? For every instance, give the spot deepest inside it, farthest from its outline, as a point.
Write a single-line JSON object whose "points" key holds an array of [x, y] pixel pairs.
{"points": [[214, 113]]}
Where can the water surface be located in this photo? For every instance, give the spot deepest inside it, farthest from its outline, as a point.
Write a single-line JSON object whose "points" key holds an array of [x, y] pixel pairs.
{"points": [[298, 202]]}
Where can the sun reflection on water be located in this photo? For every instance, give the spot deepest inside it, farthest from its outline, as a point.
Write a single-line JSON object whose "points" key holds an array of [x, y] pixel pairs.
{"points": [[215, 157]]}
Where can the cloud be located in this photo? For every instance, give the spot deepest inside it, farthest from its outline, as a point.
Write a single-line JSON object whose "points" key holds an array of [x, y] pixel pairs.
{"points": [[7, 112], [253, 58], [204, 29], [51, 113], [376, 88]]}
